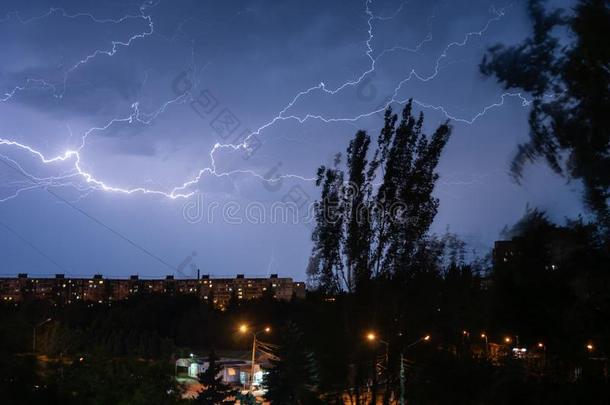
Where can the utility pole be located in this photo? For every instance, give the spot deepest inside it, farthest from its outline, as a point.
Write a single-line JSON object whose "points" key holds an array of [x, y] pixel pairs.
{"points": [[253, 358], [244, 328], [34, 333]]}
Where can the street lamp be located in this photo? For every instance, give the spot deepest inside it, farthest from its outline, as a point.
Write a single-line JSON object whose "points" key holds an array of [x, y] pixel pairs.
{"points": [[590, 347], [484, 337], [34, 333], [425, 338], [243, 329], [372, 337]]}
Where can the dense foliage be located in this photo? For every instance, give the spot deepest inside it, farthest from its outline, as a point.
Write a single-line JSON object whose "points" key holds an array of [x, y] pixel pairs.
{"points": [[565, 67], [293, 377], [365, 232], [214, 390]]}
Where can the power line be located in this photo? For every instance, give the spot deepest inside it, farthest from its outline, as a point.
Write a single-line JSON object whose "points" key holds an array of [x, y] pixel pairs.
{"points": [[32, 246], [92, 218]]}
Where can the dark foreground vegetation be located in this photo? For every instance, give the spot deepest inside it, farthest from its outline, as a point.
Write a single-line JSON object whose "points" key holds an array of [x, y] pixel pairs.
{"points": [[394, 312], [123, 354]]}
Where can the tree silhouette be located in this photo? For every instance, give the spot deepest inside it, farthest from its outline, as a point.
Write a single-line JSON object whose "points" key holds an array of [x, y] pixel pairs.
{"points": [[293, 378], [370, 233], [326, 265], [571, 99], [215, 391]]}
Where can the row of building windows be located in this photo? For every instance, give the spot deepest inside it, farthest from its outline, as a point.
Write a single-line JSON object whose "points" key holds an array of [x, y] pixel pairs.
{"points": [[99, 289]]}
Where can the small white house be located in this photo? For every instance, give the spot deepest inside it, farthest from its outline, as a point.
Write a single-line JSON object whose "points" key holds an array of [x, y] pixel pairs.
{"points": [[233, 371]]}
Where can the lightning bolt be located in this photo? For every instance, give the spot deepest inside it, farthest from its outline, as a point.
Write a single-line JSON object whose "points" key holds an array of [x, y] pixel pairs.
{"points": [[185, 190], [115, 45]]}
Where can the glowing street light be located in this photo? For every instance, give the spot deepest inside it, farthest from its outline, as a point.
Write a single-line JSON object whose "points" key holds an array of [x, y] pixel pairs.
{"points": [[425, 338], [590, 347], [243, 329], [34, 333], [484, 337], [507, 340], [372, 337]]}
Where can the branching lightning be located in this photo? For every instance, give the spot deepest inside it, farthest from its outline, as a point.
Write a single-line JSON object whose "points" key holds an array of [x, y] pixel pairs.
{"points": [[85, 181]]}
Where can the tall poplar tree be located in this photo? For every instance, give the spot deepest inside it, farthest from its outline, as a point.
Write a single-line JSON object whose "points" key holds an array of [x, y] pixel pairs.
{"points": [[362, 231]]}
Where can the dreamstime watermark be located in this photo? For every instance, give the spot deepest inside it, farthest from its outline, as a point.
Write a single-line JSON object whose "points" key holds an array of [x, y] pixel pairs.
{"points": [[225, 124], [366, 92], [295, 208], [187, 264], [273, 181], [198, 211]]}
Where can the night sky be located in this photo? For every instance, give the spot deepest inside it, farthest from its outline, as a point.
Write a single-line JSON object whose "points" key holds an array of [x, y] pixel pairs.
{"points": [[123, 123]]}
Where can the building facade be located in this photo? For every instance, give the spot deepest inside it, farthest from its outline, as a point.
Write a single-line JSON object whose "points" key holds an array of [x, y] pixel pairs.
{"points": [[219, 291]]}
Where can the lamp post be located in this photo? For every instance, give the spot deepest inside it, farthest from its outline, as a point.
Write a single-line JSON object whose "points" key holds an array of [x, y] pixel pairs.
{"points": [[425, 338], [372, 337], [34, 333], [243, 328], [542, 346], [484, 336]]}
